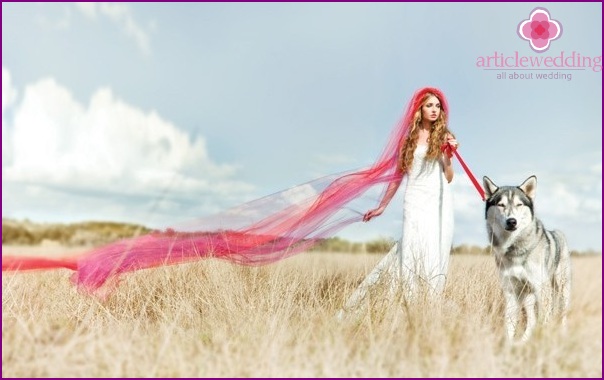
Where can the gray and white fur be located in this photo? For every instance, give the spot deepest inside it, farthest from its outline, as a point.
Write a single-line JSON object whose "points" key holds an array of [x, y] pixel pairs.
{"points": [[534, 263]]}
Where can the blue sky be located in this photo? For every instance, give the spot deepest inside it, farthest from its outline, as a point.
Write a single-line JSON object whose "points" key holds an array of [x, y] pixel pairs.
{"points": [[160, 113]]}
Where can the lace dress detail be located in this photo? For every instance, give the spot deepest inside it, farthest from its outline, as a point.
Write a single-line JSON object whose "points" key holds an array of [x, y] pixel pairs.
{"points": [[427, 235]]}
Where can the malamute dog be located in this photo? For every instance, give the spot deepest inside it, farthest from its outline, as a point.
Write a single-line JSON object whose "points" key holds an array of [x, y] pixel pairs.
{"points": [[534, 263]]}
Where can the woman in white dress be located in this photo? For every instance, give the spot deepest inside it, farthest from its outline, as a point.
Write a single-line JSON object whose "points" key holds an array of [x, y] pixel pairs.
{"points": [[427, 235]]}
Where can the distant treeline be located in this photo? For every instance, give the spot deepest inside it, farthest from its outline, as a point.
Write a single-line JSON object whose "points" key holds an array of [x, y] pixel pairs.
{"points": [[98, 233], [74, 234]]}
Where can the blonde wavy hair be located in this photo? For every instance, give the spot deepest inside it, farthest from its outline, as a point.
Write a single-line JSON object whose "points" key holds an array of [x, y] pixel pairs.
{"points": [[438, 135]]}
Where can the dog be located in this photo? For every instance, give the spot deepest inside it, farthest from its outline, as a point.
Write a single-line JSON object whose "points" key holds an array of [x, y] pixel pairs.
{"points": [[534, 263]]}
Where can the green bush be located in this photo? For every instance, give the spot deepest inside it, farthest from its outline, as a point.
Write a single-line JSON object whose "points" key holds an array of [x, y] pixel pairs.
{"points": [[381, 245]]}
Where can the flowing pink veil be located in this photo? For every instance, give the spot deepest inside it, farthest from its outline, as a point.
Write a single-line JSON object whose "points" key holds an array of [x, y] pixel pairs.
{"points": [[258, 232]]}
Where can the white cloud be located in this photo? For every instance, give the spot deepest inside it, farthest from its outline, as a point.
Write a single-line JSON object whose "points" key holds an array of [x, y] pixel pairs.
{"points": [[560, 201], [9, 94], [88, 9], [333, 159], [120, 14], [467, 202], [298, 194], [108, 147], [55, 23], [572, 194], [596, 169]]}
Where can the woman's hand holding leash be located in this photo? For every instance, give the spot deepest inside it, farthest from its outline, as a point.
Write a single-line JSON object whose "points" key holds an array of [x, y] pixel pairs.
{"points": [[449, 147]]}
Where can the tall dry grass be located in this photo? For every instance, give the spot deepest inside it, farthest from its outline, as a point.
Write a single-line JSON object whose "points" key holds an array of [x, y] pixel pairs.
{"points": [[215, 319]]}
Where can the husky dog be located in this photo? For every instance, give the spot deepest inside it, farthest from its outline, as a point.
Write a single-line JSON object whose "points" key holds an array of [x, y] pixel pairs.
{"points": [[534, 263]]}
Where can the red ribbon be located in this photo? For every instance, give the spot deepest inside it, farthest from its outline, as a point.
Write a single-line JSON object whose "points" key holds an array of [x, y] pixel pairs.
{"points": [[449, 150]]}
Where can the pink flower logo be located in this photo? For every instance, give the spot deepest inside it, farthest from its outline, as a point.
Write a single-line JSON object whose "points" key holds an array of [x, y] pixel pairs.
{"points": [[539, 30]]}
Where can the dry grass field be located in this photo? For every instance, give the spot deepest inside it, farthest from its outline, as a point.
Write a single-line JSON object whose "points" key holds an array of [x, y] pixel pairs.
{"points": [[215, 319]]}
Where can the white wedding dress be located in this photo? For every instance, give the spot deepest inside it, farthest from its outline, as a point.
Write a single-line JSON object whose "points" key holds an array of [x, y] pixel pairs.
{"points": [[418, 263], [425, 246]]}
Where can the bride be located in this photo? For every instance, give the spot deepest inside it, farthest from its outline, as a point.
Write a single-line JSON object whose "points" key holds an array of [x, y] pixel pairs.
{"points": [[423, 256]]}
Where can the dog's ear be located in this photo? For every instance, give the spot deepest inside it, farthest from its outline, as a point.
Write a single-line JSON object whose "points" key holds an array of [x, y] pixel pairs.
{"points": [[489, 187], [529, 186]]}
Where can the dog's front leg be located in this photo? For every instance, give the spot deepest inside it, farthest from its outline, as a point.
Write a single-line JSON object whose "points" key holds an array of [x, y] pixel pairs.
{"points": [[512, 313], [530, 307]]}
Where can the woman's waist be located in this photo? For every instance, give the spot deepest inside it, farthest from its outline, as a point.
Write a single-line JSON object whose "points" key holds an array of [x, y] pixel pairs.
{"points": [[431, 186]]}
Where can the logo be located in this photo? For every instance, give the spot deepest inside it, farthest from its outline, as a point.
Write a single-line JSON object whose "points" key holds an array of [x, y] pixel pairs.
{"points": [[539, 30]]}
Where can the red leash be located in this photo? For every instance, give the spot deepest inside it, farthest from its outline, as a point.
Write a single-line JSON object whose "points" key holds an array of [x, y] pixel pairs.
{"points": [[450, 150]]}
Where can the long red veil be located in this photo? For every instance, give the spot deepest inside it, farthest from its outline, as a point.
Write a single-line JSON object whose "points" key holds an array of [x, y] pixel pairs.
{"points": [[259, 232]]}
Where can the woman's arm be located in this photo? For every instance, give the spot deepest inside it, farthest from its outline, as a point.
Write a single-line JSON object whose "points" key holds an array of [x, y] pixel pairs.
{"points": [[447, 160], [390, 191], [448, 168]]}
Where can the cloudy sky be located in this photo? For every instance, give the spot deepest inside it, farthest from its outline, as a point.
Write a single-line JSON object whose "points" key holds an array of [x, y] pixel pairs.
{"points": [[160, 113]]}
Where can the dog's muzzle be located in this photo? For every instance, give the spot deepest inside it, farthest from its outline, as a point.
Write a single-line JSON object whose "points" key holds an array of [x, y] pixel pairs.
{"points": [[510, 224]]}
